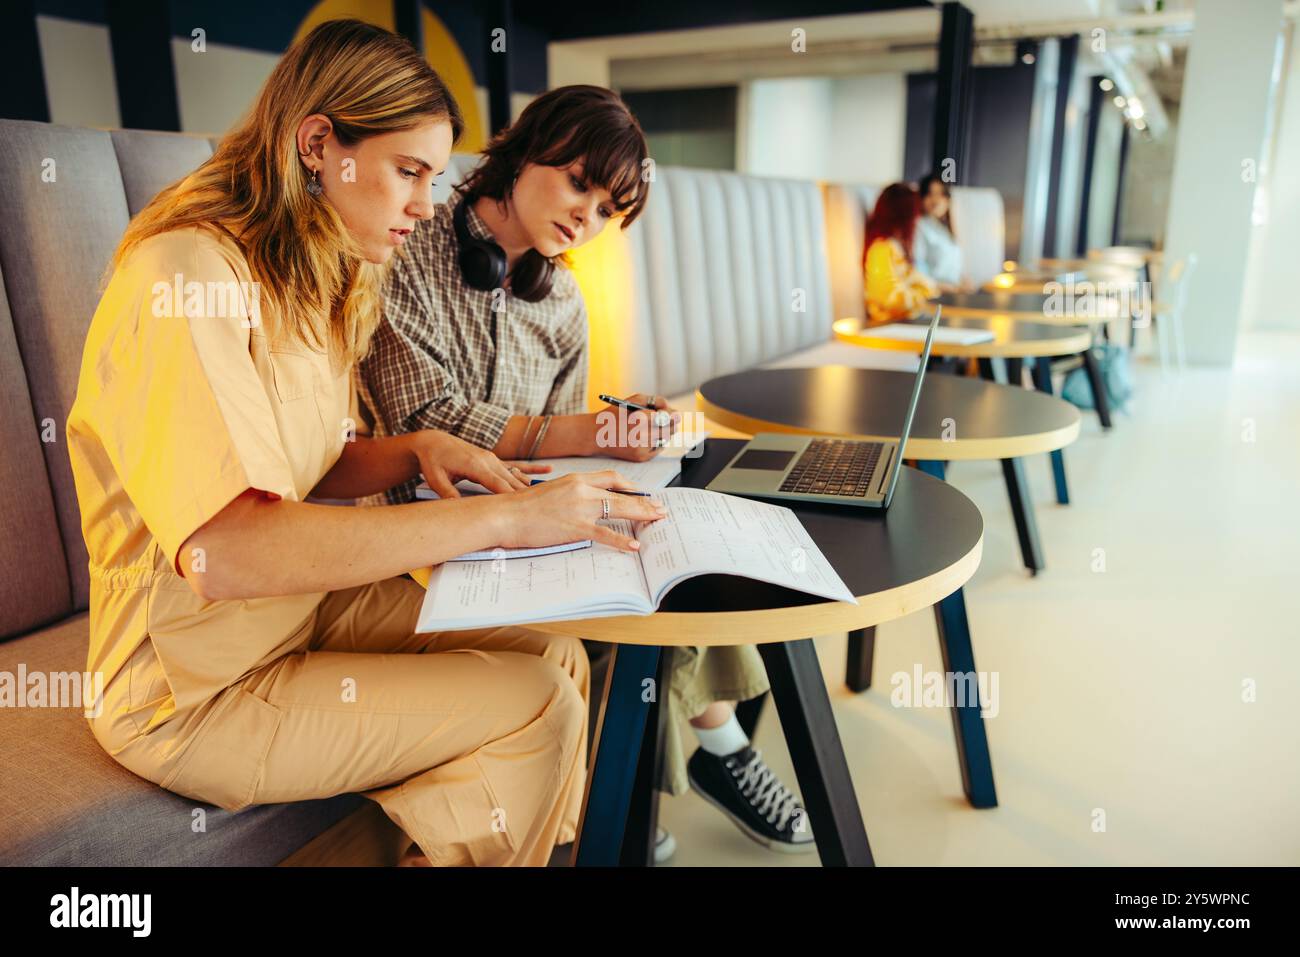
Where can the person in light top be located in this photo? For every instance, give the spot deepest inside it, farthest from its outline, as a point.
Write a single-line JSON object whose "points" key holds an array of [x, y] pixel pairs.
{"points": [[935, 250]]}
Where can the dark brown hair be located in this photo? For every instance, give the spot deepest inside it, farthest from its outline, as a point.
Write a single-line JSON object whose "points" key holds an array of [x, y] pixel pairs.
{"points": [[924, 189], [570, 124]]}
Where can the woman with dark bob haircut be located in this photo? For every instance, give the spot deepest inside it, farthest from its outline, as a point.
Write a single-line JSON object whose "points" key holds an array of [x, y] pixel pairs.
{"points": [[485, 336]]}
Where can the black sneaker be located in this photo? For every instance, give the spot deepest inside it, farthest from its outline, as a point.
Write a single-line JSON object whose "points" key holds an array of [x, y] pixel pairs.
{"points": [[745, 789]]}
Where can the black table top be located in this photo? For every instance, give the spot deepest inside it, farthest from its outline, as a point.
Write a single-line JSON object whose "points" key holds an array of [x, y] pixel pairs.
{"points": [[1009, 301], [1008, 331], [980, 419], [929, 527]]}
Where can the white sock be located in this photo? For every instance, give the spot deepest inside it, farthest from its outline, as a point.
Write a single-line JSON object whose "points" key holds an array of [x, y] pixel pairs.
{"points": [[726, 738]]}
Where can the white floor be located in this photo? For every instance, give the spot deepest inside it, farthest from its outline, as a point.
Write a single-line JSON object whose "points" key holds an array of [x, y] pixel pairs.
{"points": [[1122, 736]]}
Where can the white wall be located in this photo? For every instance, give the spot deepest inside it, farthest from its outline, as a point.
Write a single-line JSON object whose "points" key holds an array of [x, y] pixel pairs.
{"points": [[843, 129], [78, 63], [784, 127], [1222, 122], [868, 129], [216, 87], [1270, 300]]}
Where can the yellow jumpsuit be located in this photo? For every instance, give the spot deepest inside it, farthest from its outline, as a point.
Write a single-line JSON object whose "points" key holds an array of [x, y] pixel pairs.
{"points": [[894, 288], [473, 742]]}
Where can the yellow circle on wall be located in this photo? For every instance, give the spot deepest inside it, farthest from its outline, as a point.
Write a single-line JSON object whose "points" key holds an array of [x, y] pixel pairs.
{"points": [[441, 51]]}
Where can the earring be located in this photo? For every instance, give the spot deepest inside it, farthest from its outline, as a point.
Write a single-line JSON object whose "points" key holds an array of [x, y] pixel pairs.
{"points": [[313, 185]]}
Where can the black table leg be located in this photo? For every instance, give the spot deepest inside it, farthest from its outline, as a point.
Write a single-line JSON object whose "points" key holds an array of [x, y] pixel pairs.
{"points": [[1015, 372], [748, 713], [1099, 398], [967, 723], [1043, 380], [643, 811], [1022, 509], [616, 755], [862, 652], [814, 742]]}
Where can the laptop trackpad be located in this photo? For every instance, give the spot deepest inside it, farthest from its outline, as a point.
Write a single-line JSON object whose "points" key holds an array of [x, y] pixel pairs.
{"points": [[769, 460]]}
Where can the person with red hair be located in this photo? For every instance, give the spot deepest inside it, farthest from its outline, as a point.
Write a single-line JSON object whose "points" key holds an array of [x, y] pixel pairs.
{"points": [[895, 289]]}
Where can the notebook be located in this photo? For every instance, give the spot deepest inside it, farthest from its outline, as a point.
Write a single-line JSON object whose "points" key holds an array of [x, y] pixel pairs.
{"points": [[704, 533], [916, 333]]}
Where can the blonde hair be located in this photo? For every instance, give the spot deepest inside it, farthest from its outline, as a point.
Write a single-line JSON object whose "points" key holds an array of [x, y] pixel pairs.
{"points": [[319, 289]]}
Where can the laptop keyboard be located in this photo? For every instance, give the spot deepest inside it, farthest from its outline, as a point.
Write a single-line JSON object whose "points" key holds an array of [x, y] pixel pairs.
{"points": [[834, 467]]}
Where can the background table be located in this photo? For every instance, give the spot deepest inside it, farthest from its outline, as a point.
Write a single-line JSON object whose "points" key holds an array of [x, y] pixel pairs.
{"points": [[956, 418], [1017, 306], [1011, 338], [921, 556], [1031, 308], [1013, 342]]}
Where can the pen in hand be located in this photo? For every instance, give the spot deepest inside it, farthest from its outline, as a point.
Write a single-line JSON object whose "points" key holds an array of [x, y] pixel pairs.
{"points": [[661, 418]]}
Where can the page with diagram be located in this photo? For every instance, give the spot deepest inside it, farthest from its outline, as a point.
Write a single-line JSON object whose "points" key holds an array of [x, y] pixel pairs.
{"points": [[588, 583], [709, 533], [704, 533]]}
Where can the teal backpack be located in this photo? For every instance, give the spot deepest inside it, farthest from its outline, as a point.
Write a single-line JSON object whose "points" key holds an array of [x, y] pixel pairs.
{"points": [[1116, 377]]}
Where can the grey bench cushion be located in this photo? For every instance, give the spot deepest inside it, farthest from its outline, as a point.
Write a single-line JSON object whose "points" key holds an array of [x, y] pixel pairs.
{"points": [[34, 587], [63, 801], [58, 237], [150, 161]]}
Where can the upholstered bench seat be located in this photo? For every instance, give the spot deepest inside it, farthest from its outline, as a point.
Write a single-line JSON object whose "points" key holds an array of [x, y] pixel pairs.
{"points": [[64, 801]]}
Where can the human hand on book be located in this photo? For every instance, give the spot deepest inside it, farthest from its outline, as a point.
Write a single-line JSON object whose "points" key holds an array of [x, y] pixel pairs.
{"points": [[570, 509], [445, 460]]}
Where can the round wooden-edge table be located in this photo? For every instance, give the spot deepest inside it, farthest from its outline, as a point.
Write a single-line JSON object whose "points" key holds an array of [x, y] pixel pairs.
{"points": [[956, 419], [1012, 343], [1011, 339], [1016, 306], [917, 555], [1031, 307]]}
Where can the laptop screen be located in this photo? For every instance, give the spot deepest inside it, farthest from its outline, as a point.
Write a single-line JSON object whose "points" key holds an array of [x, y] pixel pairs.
{"points": [[911, 405]]}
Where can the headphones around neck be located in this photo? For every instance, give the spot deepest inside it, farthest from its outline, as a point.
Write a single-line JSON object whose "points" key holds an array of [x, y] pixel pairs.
{"points": [[482, 262]]}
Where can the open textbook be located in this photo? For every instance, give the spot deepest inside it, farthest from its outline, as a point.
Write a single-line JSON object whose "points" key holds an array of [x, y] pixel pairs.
{"points": [[704, 533]]}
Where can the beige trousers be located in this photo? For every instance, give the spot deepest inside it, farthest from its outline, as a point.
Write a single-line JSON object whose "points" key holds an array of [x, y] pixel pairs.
{"points": [[473, 742]]}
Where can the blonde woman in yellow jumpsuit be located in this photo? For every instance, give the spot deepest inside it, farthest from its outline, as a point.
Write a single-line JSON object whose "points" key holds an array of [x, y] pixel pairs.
{"points": [[258, 648]]}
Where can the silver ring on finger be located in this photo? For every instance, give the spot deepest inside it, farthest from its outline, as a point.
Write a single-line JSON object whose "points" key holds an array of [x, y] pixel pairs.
{"points": [[604, 508]]}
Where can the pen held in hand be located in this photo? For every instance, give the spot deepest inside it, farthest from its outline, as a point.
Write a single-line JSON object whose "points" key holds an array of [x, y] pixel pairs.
{"points": [[661, 418]]}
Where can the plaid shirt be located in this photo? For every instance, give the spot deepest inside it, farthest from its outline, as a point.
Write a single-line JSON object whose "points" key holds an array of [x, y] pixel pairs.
{"points": [[442, 359]]}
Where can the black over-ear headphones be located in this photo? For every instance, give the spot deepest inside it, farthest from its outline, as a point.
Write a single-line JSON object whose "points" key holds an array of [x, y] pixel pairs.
{"points": [[482, 262]]}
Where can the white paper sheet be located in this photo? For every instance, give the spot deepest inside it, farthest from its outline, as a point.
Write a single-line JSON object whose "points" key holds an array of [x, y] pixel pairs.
{"points": [[947, 334]]}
